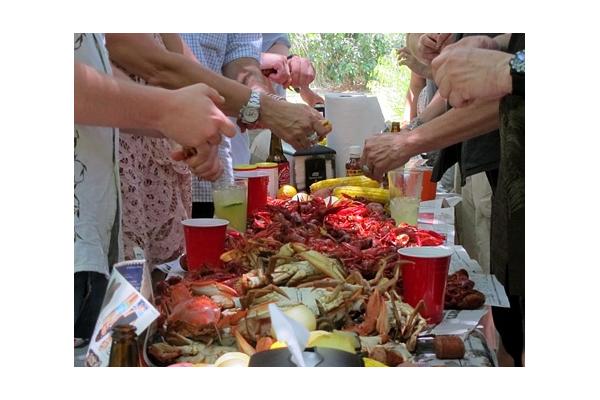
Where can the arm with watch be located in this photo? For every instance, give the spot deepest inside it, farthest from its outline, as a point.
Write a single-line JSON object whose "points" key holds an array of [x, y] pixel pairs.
{"points": [[178, 67], [464, 74]]}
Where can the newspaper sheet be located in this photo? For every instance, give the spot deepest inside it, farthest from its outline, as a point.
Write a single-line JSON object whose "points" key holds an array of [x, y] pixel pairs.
{"points": [[123, 304]]}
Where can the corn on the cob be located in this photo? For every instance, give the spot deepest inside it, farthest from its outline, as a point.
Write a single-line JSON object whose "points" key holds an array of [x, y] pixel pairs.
{"points": [[373, 194], [360, 180]]}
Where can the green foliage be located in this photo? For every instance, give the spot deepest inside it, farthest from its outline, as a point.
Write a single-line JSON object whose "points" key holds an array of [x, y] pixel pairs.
{"points": [[357, 62], [344, 60], [391, 81]]}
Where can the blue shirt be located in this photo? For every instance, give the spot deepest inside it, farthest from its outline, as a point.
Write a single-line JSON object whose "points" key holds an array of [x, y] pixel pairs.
{"points": [[214, 51]]}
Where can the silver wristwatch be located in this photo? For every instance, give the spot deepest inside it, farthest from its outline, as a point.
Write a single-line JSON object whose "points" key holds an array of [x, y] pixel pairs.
{"points": [[251, 111]]}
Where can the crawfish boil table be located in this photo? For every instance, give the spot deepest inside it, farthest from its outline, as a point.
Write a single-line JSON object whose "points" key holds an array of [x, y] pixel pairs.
{"points": [[336, 268]]}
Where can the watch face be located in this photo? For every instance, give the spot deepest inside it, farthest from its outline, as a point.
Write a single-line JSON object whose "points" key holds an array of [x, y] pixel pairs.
{"points": [[250, 114]]}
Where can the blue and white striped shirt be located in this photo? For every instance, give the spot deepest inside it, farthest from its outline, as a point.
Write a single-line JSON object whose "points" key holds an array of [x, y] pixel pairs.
{"points": [[214, 51]]}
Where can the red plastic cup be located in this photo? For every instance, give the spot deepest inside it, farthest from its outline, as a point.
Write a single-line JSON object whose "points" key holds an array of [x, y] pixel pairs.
{"points": [[426, 278], [428, 192], [258, 188], [204, 242]]}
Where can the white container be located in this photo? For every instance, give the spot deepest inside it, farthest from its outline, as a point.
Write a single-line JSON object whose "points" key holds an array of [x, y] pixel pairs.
{"points": [[270, 168]]}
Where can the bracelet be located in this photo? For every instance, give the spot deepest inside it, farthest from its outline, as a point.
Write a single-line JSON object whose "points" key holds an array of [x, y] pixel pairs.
{"points": [[415, 123], [275, 97]]}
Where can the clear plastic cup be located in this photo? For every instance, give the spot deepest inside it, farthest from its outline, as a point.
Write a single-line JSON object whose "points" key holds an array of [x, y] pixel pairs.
{"points": [[405, 185], [231, 203]]}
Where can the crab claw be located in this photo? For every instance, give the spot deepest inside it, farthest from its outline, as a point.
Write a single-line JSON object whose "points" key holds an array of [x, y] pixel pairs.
{"points": [[327, 266]]}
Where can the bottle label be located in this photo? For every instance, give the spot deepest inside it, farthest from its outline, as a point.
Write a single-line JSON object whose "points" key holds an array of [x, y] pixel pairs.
{"points": [[284, 173], [354, 172]]}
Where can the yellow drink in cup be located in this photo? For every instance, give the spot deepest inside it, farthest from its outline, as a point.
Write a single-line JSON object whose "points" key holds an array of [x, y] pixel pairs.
{"points": [[405, 209], [405, 186], [231, 204]]}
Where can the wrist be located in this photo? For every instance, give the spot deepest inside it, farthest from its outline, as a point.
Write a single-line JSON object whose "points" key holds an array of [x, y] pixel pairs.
{"points": [[169, 105], [503, 77], [266, 113]]}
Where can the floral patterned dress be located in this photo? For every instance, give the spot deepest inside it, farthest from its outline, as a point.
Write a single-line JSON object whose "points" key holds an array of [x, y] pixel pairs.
{"points": [[156, 196]]}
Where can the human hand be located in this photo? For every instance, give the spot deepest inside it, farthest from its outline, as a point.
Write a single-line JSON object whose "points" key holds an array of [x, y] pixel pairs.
{"points": [[277, 63], [464, 74], [302, 72], [294, 123], [480, 42], [405, 57], [310, 97], [191, 117], [203, 160], [383, 153], [431, 44]]}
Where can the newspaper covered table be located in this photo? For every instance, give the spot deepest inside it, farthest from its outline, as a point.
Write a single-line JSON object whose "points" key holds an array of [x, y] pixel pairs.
{"points": [[438, 215]]}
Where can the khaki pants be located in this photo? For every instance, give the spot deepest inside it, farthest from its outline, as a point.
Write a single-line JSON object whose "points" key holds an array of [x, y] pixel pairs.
{"points": [[473, 217]]}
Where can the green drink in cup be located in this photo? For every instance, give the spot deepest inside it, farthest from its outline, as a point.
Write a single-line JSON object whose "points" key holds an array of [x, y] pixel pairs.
{"points": [[231, 203]]}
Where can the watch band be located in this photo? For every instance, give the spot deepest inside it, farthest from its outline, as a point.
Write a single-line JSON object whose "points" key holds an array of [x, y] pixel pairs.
{"points": [[252, 107], [517, 73]]}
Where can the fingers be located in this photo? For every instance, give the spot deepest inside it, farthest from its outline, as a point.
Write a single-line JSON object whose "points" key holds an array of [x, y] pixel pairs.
{"points": [[226, 127], [295, 71], [310, 97], [443, 39], [213, 94], [178, 155], [281, 75], [428, 41], [302, 72], [205, 163], [322, 126]]}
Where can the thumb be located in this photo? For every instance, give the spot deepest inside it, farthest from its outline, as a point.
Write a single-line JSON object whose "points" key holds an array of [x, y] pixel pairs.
{"points": [[227, 127], [178, 155], [214, 95]]}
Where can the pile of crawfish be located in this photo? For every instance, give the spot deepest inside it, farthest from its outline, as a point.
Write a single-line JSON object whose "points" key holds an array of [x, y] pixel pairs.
{"points": [[358, 233]]}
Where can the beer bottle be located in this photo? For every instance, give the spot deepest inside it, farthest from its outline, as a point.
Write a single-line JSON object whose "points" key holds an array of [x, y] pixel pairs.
{"points": [[395, 127], [124, 348], [276, 156]]}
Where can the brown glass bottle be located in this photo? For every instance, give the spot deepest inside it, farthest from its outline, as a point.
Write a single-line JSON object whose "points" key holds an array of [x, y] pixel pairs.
{"points": [[276, 155], [395, 127], [124, 348]]}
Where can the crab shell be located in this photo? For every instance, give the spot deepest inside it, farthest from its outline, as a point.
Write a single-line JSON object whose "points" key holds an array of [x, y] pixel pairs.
{"points": [[194, 316]]}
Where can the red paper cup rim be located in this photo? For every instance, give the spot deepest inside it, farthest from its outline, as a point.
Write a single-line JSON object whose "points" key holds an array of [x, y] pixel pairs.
{"points": [[426, 252], [205, 222]]}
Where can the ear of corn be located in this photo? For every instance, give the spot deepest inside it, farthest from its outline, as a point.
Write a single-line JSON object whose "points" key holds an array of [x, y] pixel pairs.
{"points": [[373, 194], [359, 180]]}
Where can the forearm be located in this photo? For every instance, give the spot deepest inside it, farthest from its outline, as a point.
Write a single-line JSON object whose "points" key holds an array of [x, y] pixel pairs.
{"points": [[455, 126], [416, 86], [142, 56], [247, 71], [436, 107], [104, 101]]}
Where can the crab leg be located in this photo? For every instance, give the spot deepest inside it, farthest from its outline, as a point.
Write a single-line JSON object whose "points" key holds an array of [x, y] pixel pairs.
{"points": [[411, 320], [396, 313]]}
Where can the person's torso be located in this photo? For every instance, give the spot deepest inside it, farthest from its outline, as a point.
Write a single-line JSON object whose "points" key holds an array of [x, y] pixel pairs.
{"points": [[209, 48], [96, 193]]}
